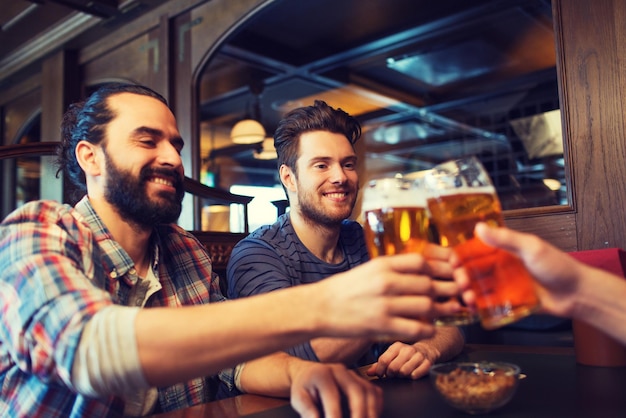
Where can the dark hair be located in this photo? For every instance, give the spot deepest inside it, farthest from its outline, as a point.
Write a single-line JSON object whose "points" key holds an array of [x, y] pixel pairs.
{"points": [[87, 120], [319, 117]]}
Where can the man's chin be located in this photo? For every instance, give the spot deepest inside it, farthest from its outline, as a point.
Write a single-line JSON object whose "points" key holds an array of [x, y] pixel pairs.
{"points": [[166, 198], [334, 221], [342, 214], [168, 211]]}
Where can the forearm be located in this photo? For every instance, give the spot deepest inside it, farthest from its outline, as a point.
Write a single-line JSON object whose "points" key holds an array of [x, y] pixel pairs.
{"points": [[601, 301], [340, 350], [106, 359], [270, 375], [178, 344], [447, 343]]}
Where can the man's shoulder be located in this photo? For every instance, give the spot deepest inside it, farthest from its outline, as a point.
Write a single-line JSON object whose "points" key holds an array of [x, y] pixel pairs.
{"points": [[41, 211], [270, 232], [45, 223], [270, 238]]}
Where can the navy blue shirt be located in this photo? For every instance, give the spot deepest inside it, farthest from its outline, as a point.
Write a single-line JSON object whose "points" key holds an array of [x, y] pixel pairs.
{"points": [[273, 257]]}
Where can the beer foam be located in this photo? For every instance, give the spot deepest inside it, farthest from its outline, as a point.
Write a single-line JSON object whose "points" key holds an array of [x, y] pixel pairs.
{"points": [[393, 193]]}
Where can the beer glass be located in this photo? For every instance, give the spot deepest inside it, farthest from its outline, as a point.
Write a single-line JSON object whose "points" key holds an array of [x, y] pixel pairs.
{"points": [[396, 221], [460, 195], [395, 217]]}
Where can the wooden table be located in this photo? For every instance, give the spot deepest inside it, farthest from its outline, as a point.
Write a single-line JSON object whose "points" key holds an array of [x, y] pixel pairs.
{"points": [[555, 386]]}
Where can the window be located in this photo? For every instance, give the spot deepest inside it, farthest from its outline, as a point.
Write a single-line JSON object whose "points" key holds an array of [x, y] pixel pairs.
{"points": [[428, 83], [261, 210]]}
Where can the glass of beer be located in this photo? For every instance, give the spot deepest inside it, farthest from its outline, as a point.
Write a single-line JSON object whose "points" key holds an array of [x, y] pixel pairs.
{"points": [[460, 195], [395, 216], [396, 221]]}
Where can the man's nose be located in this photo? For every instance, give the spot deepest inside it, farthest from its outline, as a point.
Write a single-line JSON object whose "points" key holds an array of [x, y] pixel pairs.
{"points": [[338, 174], [168, 154]]}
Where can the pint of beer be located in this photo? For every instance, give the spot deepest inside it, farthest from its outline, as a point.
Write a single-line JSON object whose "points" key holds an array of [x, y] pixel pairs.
{"points": [[461, 195], [395, 217]]}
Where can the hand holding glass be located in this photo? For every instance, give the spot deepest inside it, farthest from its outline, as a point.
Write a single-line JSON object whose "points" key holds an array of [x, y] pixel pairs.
{"points": [[396, 221], [461, 195]]}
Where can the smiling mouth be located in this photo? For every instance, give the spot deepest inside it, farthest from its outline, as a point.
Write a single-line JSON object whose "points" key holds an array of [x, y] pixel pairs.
{"points": [[160, 180], [336, 195]]}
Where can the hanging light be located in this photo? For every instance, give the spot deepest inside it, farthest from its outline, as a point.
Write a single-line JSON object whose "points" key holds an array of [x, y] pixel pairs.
{"points": [[267, 152], [250, 130], [247, 131]]}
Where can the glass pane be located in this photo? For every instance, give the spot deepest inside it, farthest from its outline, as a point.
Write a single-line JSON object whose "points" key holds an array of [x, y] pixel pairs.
{"points": [[28, 169], [428, 83], [27, 177]]}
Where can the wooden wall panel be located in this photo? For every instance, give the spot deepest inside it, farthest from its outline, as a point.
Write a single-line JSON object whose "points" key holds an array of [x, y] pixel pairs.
{"points": [[594, 80], [137, 60], [559, 229], [19, 90]]}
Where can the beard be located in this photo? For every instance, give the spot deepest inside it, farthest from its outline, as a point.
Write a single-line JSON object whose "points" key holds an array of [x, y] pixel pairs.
{"points": [[316, 214], [128, 194]]}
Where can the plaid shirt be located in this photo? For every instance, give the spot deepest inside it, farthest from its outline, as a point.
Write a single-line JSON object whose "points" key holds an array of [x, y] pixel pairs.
{"points": [[59, 266]]}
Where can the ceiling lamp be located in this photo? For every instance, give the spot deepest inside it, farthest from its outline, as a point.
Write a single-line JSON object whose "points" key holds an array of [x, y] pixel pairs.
{"points": [[267, 151], [247, 131], [552, 184]]}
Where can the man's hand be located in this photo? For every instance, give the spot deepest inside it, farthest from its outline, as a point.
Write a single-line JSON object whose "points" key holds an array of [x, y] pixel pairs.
{"points": [[389, 297], [317, 390], [437, 261], [556, 273], [404, 360]]}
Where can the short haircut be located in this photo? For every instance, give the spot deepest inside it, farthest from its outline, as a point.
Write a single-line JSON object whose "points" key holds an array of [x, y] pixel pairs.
{"points": [[319, 117]]}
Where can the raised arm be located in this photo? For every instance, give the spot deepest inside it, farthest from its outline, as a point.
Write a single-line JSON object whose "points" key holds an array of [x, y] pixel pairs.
{"points": [[393, 304], [565, 286]]}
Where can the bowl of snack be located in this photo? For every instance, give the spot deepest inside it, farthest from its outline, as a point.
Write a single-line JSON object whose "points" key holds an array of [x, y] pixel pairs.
{"points": [[475, 388]]}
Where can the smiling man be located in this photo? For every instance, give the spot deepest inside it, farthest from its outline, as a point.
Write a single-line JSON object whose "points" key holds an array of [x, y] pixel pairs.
{"points": [[314, 240]]}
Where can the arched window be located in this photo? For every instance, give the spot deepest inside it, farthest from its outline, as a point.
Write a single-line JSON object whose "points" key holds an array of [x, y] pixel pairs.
{"points": [[429, 81]]}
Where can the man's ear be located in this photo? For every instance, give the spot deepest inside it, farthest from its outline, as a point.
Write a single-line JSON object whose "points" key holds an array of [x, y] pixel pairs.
{"points": [[87, 157], [287, 177]]}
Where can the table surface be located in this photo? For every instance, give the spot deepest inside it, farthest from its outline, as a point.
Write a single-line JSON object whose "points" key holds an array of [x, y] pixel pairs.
{"points": [[555, 386]]}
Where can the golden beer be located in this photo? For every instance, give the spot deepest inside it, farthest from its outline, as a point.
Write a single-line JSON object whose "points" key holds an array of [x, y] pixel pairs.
{"points": [[390, 231], [395, 216], [504, 289]]}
